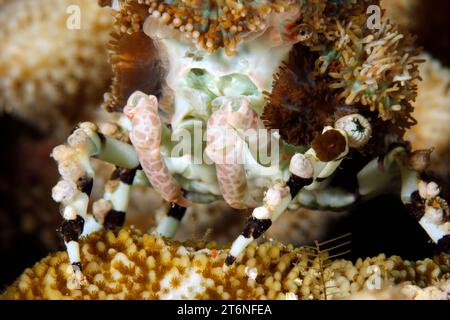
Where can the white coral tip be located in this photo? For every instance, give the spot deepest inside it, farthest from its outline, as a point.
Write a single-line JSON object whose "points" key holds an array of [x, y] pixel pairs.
{"points": [[64, 190], [69, 213], [433, 189], [301, 166], [261, 213], [273, 197]]}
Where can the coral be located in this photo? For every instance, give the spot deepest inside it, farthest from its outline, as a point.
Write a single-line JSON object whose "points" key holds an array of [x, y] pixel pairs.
{"points": [[359, 71], [213, 23], [440, 291], [300, 105], [432, 111], [51, 75], [129, 265], [402, 12], [375, 68]]}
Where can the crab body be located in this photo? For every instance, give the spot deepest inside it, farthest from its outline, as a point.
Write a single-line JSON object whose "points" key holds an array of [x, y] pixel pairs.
{"points": [[238, 102]]}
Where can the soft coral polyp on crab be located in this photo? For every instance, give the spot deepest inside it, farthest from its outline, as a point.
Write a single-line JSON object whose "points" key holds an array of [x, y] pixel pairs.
{"points": [[337, 93]]}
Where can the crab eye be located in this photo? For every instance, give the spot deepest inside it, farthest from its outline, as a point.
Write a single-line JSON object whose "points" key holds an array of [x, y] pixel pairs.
{"points": [[305, 32], [357, 128]]}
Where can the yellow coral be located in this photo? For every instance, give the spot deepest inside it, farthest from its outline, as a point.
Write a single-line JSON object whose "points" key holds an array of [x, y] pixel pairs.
{"points": [[130, 265], [49, 73]]}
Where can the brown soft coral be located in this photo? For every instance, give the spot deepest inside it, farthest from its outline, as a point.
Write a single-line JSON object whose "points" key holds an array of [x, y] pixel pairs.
{"points": [[300, 105], [133, 57]]}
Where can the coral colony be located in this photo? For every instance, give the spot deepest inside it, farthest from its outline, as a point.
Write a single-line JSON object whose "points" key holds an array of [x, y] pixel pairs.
{"points": [[61, 80], [269, 105], [131, 265]]}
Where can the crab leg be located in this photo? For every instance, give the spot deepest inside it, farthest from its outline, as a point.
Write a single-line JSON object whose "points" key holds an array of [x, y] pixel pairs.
{"points": [[145, 136], [276, 201], [110, 210], [224, 147], [307, 171], [74, 189], [420, 197]]}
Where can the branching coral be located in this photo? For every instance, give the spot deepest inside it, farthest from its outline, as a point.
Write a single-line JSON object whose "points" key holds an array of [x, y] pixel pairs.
{"points": [[49, 73], [129, 265]]}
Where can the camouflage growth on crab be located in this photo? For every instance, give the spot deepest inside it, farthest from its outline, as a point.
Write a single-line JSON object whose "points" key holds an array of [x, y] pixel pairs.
{"points": [[337, 93]]}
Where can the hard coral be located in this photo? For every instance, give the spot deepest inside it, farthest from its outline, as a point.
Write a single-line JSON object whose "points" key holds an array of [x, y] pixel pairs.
{"points": [[129, 265], [49, 73]]}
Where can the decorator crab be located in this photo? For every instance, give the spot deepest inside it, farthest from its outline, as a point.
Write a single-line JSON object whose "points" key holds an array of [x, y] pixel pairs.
{"points": [[270, 105]]}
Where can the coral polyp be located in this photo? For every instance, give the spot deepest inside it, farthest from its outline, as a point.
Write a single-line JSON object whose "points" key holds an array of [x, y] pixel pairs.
{"points": [[131, 265], [203, 89]]}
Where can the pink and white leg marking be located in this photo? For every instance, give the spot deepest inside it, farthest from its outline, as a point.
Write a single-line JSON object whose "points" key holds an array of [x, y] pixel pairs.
{"points": [[224, 147], [145, 136]]}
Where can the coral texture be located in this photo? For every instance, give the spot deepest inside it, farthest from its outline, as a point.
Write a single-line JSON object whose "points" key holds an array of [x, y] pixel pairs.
{"points": [[401, 12], [49, 73], [129, 265], [432, 111], [440, 291]]}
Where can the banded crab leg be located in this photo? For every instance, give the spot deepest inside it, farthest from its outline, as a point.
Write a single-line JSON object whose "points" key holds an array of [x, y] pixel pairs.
{"points": [[306, 171], [224, 147], [110, 210], [419, 195], [145, 136], [73, 190]]}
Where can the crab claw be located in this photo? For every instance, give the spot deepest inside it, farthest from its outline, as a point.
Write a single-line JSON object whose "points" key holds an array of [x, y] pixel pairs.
{"points": [[145, 135]]}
